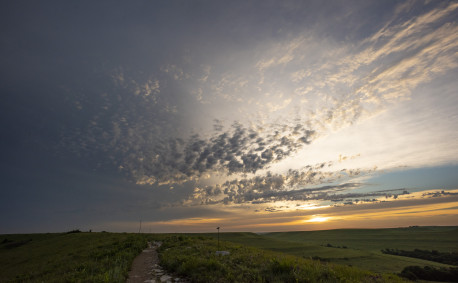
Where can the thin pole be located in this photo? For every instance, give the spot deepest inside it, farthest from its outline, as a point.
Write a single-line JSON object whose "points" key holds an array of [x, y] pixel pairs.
{"points": [[218, 238]]}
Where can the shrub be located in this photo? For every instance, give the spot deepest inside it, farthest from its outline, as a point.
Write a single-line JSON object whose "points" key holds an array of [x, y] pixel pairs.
{"points": [[447, 258]]}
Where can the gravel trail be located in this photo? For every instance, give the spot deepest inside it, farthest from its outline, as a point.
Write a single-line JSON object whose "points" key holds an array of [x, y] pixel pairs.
{"points": [[146, 268]]}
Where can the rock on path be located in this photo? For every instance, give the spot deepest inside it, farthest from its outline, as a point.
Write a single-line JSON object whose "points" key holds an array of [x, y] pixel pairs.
{"points": [[146, 268]]}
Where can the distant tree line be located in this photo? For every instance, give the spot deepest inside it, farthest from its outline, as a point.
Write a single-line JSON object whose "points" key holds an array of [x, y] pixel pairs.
{"points": [[430, 273], [447, 257]]}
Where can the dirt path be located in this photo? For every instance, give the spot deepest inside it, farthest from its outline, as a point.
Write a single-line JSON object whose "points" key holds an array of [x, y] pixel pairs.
{"points": [[146, 268]]}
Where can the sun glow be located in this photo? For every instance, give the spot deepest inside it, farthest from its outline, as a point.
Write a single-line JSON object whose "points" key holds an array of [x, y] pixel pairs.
{"points": [[318, 219]]}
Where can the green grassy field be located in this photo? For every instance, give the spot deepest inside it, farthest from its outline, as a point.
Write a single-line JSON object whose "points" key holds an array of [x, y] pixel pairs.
{"points": [[362, 246], [194, 257], [435, 238], [344, 255], [68, 257]]}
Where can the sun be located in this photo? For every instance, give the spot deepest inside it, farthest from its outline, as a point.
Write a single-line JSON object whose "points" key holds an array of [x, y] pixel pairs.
{"points": [[317, 218]]}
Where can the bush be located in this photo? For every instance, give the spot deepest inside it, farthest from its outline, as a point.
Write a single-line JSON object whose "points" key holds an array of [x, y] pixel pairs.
{"points": [[447, 258]]}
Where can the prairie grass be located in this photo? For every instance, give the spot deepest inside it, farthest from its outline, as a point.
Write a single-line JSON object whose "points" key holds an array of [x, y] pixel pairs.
{"points": [[282, 257], [363, 246], [194, 257], [69, 257], [439, 238]]}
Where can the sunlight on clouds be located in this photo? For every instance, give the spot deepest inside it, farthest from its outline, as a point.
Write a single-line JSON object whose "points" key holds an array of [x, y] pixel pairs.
{"points": [[301, 118], [343, 98], [419, 211], [430, 207], [428, 194], [191, 118], [310, 206]]}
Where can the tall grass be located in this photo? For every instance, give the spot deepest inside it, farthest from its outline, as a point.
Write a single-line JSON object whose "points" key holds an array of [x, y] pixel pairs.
{"points": [[69, 257], [195, 258], [107, 257], [361, 245]]}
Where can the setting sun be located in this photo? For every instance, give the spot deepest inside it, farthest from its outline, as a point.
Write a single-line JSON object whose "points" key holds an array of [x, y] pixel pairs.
{"points": [[318, 219]]}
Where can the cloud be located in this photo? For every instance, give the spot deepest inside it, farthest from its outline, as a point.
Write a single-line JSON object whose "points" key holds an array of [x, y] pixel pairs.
{"points": [[275, 107], [281, 217], [138, 147], [427, 46], [140, 129], [294, 185], [220, 105]]}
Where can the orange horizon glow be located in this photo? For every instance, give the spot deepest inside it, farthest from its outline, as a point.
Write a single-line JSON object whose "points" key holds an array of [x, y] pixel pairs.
{"points": [[375, 215]]}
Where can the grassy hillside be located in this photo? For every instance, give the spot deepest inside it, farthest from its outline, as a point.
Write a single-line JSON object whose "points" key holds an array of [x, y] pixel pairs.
{"points": [[68, 257], [194, 257], [356, 247]]}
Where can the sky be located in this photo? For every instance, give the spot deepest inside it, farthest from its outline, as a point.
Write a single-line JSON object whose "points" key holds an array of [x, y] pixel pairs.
{"points": [[184, 116]]}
